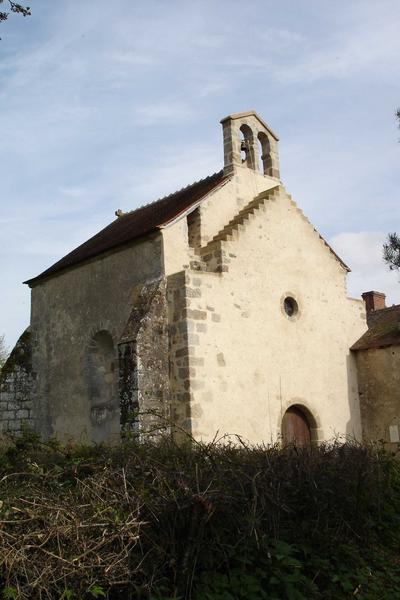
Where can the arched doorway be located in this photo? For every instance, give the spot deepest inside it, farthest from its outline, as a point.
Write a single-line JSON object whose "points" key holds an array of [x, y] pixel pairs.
{"points": [[296, 428]]}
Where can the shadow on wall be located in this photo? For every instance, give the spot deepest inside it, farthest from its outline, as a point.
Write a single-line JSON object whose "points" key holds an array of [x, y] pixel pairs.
{"points": [[353, 427], [102, 388]]}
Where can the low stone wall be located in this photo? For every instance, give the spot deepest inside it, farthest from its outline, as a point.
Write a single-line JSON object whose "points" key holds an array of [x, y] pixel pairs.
{"points": [[16, 387]]}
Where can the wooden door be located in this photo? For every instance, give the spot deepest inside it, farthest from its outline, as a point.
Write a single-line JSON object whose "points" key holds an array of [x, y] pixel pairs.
{"points": [[295, 428]]}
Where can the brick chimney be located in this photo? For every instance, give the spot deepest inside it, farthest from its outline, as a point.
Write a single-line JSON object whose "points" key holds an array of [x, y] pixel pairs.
{"points": [[374, 301]]}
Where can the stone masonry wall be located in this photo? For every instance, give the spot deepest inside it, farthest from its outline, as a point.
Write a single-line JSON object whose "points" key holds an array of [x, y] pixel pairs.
{"points": [[187, 327], [143, 362], [180, 348], [16, 386]]}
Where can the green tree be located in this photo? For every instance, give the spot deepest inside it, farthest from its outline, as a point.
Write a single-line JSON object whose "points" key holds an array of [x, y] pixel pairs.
{"points": [[391, 252]]}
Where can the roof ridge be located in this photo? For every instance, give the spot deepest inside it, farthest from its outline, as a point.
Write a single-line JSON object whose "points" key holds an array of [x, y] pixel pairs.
{"points": [[184, 188]]}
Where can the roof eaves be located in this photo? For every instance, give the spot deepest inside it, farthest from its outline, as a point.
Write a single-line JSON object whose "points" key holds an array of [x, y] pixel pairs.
{"points": [[125, 244], [362, 346]]}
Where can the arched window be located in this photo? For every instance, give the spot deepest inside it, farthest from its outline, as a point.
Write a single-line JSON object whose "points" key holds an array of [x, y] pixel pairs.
{"points": [[247, 146], [298, 427], [264, 154], [102, 378]]}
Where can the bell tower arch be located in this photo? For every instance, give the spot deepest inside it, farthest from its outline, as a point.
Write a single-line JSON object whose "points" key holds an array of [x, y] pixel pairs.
{"points": [[246, 135]]}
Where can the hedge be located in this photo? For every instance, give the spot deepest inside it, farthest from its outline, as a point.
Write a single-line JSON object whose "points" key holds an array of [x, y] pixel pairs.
{"points": [[154, 520]]}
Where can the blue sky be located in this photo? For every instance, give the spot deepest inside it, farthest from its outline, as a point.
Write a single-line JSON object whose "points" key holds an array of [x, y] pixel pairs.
{"points": [[111, 105]]}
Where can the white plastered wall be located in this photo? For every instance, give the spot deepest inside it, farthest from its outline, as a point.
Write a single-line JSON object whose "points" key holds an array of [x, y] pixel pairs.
{"points": [[216, 210], [251, 361]]}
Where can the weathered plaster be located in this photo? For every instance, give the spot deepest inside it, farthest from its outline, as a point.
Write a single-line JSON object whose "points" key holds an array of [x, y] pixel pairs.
{"points": [[67, 311], [379, 389]]}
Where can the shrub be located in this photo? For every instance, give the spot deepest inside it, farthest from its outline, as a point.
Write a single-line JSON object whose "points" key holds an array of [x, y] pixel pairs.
{"points": [[202, 521]]}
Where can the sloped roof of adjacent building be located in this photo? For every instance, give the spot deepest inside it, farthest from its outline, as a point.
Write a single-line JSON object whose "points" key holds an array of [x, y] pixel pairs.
{"points": [[136, 223], [383, 331]]}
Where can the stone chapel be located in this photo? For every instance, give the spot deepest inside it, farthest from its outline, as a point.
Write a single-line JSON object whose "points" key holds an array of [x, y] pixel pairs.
{"points": [[216, 310]]}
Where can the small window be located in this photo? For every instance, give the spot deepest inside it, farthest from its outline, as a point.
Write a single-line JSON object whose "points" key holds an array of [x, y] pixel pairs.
{"points": [[290, 306]]}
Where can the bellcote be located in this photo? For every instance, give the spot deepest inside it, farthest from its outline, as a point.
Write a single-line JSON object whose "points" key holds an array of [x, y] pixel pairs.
{"points": [[250, 143]]}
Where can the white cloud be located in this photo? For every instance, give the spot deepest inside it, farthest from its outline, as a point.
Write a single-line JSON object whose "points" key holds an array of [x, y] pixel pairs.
{"points": [[213, 88], [134, 58], [177, 169], [73, 192], [168, 110], [353, 51], [362, 251], [364, 38]]}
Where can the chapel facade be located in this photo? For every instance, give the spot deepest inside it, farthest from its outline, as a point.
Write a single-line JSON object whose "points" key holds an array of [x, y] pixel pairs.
{"points": [[217, 310]]}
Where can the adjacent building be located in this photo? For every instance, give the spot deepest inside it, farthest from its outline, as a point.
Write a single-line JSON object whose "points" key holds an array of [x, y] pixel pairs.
{"points": [[378, 365]]}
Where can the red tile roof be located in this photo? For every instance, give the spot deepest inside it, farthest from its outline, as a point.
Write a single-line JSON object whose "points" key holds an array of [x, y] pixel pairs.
{"points": [[384, 329], [135, 224]]}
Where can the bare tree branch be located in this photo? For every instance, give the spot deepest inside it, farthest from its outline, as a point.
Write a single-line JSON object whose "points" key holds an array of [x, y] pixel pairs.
{"points": [[15, 7]]}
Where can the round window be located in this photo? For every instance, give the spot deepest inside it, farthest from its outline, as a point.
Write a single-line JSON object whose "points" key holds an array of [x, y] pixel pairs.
{"points": [[290, 306]]}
